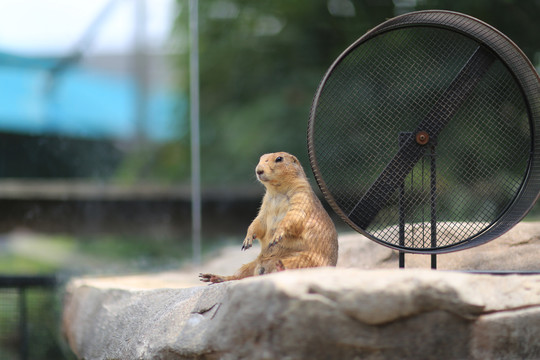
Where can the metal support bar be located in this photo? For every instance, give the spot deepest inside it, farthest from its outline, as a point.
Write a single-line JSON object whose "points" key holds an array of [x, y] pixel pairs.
{"points": [[402, 138], [433, 203]]}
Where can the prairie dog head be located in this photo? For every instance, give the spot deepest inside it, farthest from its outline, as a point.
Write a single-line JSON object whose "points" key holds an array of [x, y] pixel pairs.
{"points": [[279, 170]]}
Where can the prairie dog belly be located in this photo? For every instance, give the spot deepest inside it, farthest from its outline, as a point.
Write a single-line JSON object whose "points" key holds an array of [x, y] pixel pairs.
{"points": [[277, 207]]}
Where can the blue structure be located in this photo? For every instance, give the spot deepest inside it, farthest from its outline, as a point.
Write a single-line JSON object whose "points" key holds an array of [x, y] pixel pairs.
{"points": [[43, 96]]}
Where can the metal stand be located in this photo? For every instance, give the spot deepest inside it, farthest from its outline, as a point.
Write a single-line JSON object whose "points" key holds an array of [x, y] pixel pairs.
{"points": [[433, 199], [403, 137]]}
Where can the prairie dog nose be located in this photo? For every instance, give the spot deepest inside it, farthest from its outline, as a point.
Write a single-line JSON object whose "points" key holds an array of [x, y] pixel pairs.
{"points": [[260, 171]]}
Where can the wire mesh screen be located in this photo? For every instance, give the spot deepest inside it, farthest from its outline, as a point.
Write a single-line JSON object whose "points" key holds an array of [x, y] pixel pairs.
{"points": [[28, 320], [9, 322], [421, 137]]}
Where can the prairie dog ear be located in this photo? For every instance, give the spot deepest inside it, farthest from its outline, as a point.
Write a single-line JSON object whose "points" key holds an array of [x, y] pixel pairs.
{"points": [[294, 159], [296, 164]]}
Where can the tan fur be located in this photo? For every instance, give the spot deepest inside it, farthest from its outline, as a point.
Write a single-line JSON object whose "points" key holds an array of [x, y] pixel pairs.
{"points": [[292, 226]]}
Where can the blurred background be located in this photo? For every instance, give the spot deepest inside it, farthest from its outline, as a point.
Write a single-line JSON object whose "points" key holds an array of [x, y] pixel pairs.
{"points": [[95, 160]]}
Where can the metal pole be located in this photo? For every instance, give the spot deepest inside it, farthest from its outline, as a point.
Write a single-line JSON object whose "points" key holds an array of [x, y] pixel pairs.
{"points": [[433, 200], [402, 224], [403, 136], [195, 143], [140, 69]]}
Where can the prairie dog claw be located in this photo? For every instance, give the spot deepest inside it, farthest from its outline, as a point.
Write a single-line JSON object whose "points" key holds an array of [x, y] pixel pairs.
{"points": [[275, 240], [248, 242], [210, 278]]}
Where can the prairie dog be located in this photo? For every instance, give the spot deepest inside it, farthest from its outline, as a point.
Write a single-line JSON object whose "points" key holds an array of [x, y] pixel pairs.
{"points": [[292, 226]]}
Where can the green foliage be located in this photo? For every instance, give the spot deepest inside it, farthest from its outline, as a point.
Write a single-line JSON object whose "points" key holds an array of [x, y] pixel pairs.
{"points": [[132, 253], [164, 163], [261, 62], [22, 265]]}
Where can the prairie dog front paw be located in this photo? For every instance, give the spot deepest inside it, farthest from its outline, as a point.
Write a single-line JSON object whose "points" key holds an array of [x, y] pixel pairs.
{"points": [[214, 279], [248, 241], [278, 237]]}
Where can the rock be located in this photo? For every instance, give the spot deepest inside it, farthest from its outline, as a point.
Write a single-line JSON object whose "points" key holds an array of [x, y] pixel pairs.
{"points": [[103, 321], [507, 335], [344, 312], [307, 314]]}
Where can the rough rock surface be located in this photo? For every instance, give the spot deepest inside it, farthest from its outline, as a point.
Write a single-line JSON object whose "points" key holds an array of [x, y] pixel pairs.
{"points": [[321, 313], [310, 314]]}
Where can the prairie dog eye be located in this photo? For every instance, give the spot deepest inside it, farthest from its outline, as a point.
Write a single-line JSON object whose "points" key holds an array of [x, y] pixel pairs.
{"points": [[279, 159]]}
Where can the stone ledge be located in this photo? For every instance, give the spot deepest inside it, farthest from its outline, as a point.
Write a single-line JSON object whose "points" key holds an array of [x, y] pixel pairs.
{"points": [[312, 313]]}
